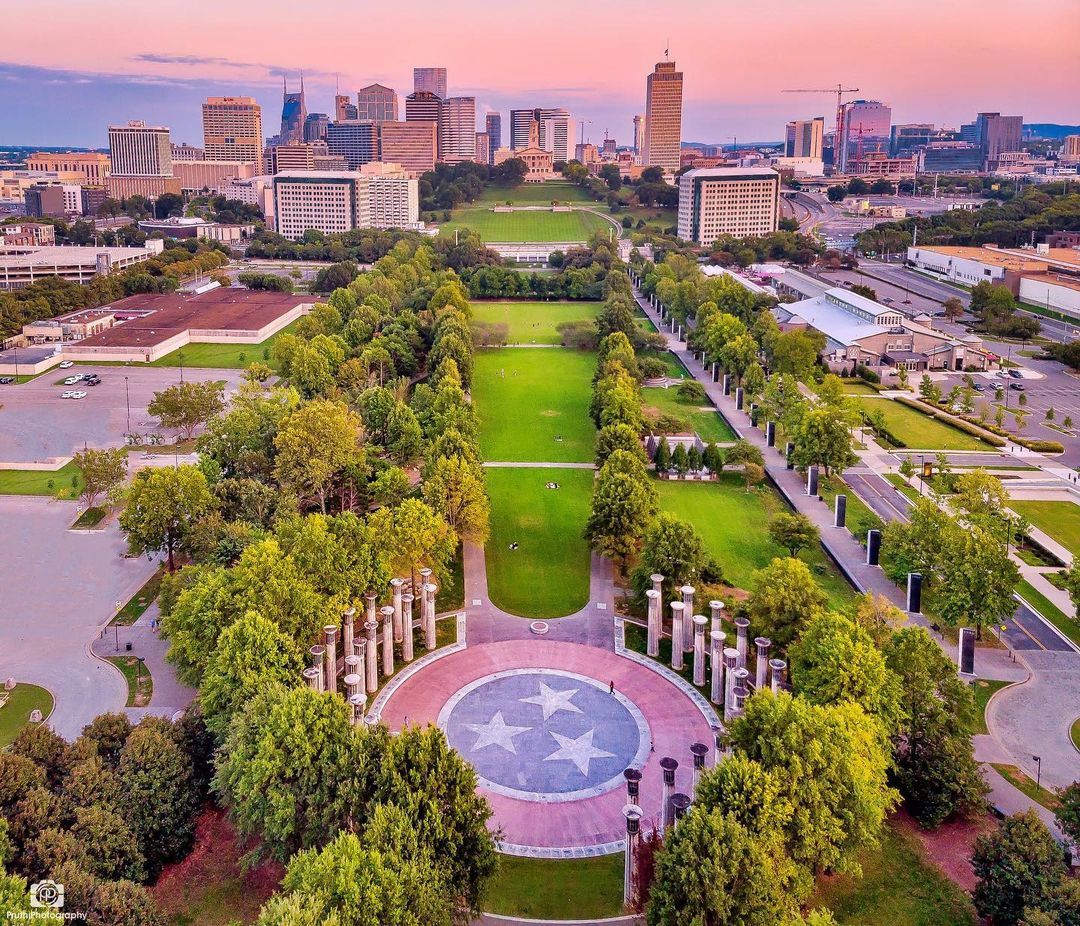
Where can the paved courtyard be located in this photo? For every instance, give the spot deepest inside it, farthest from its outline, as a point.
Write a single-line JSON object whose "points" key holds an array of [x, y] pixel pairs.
{"points": [[59, 589], [37, 425], [550, 740]]}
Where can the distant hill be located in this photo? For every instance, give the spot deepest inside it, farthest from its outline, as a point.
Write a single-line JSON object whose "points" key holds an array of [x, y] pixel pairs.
{"points": [[1049, 130], [729, 145]]}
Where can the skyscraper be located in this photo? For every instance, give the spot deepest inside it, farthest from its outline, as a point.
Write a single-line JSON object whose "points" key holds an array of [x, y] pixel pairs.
{"points": [[639, 134], [357, 140], [413, 144], [998, 134], [805, 138], [865, 127], [344, 108], [293, 114], [457, 129], [663, 117], [141, 157], [232, 130], [430, 80], [315, 126], [493, 127], [549, 128], [377, 103], [483, 148], [425, 106]]}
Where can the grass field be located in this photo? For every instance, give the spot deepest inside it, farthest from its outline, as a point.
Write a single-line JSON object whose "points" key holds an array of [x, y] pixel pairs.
{"points": [[548, 574], [899, 887], [919, 431], [526, 226], [21, 701], [1074, 732], [983, 690], [526, 398], [704, 419], [139, 680], [533, 194], [533, 322], [734, 525], [557, 889], [223, 356], [65, 482], [1020, 780], [1061, 520], [859, 389]]}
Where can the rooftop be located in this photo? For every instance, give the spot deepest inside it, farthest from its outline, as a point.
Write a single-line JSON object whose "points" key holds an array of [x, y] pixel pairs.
{"points": [[64, 256], [1010, 260], [1054, 279], [721, 173], [832, 321]]}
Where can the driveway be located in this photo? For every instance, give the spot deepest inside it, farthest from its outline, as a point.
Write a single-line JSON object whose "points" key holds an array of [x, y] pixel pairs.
{"points": [[37, 425], [59, 588]]}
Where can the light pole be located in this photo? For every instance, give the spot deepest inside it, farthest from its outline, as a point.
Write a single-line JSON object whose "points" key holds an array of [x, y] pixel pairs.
{"points": [[1038, 772], [16, 363], [127, 399]]}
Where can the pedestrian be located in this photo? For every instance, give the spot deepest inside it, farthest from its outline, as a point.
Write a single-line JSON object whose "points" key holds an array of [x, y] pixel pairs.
{"points": [[611, 687]]}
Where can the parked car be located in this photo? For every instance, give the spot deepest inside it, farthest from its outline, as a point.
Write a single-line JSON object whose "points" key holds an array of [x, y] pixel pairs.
{"points": [[1016, 387], [978, 387], [5, 380], [887, 300], [66, 395], [93, 381], [72, 380], [1016, 374], [64, 364], [78, 395]]}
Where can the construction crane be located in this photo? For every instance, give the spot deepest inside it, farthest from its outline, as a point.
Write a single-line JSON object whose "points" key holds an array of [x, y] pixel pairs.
{"points": [[839, 90]]}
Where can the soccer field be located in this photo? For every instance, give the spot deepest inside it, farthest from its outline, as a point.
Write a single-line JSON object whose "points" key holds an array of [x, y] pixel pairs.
{"points": [[530, 225], [533, 322]]}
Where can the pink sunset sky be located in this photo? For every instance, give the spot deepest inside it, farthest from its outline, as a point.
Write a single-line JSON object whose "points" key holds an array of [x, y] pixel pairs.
{"points": [[87, 64]]}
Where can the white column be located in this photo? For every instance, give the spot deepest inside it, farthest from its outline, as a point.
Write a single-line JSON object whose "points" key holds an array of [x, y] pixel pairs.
{"points": [[716, 610], [406, 627], [700, 620], [348, 630], [741, 627], [731, 662], [396, 584], [633, 825], [429, 634], [653, 648], [688, 603], [761, 663], [387, 613], [372, 627], [716, 663], [330, 632], [677, 609]]}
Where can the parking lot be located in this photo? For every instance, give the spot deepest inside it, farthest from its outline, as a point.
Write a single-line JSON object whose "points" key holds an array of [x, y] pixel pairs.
{"points": [[36, 424]]}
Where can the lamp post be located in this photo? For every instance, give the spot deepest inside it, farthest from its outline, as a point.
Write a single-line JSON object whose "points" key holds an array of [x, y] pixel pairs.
{"points": [[1038, 772], [127, 399]]}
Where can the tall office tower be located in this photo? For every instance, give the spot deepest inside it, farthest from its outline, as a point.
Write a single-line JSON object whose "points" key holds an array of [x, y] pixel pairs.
{"points": [[663, 117], [457, 130], [293, 114], [609, 148], [865, 126], [425, 106], [493, 127], [551, 129], [141, 158], [315, 126], [430, 80], [903, 139], [414, 145], [524, 131], [804, 138], [998, 134], [377, 103], [744, 202], [344, 108], [483, 148], [378, 196], [232, 130], [1070, 150], [639, 134], [357, 140]]}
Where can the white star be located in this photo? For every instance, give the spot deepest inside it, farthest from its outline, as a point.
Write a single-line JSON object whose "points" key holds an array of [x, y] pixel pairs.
{"points": [[579, 751], [496, 732], [552, 701]]}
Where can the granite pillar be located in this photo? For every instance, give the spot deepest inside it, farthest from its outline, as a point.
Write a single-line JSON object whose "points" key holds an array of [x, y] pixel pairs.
{"points": [[716, 664], [395, 585], [840, 511], [653, 648], [761, 663], [387, 613], [677, 616], [700, 620]]}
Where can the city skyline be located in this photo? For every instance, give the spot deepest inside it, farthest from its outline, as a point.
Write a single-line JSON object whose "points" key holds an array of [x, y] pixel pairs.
{"points": [[61, 95]]}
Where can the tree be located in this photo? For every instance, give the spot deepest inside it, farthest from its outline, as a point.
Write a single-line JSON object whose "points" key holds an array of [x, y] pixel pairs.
{"points": [[103, 472], [822, 439], [187, 405], [624, 502], [878, 616], [313, 444], [674, 549], [953, 308], [162, 506], [114, 852], [391, 486], [456, 490], [662, 457], [784, 598], [413, 535], [1017, 865], [1068, 812], [977, 580], [679, 460], [618, 437], [713, 870], [795, 352], [793, 532], [836, 193]]}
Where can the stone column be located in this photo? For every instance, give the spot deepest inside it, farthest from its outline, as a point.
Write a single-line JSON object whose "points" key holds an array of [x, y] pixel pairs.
{"points": [[653, 648], [657, 582], [370, 600], [770, 433], [633, 826], [387, 613], [358, 703], [716, 609], [742, 627], [354, 666], [718, 743], [680, 803], [740, 694], [742, 676], [873, 547], [429, 633], [406, 627], [370, 723], [348, 630], [688, 627], [812, 481], [318, 660], [633, 785], [715, 371], [352, 684], [395, 585], [331, 631], [731, 662], [699, 751], [761, 664], [778, 669], [788, 451], [677, 608], [314, 677], [361, 666], [700, 620], [372, 648], [669, 765], [840, 511], [716, 664]]}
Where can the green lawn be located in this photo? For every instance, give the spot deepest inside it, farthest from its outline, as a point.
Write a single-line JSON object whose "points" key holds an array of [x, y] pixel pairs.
{"points": [[1074, 732], [527, 398], [548, 574], [526, 226], [223, 356], [734, 525], [675, 369], [983, 690], [919, 431], [859, 389], [65, 482], [533, 194], [585, 888], [533, 322], [704, 419], [1020, 780], [899, 887], [1070, 626], [139, 681], [140, 601], [15, 712], [1061, 520]]}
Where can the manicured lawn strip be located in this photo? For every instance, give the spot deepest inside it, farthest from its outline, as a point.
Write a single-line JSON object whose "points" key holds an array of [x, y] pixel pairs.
{"points": [[56, 482], [983, 690], [223, 356], [1075, 733], [705, 419], [859, 389], [533, 322], [526, 398], [860, 518], [538, 225], [548, 574], [585, 888], [534, 194], [902, 484], [899, 887], [140, 601], [1061, 520], [139, 681], [92, 517], [1069, 626], [919, 431], [1020, 780], [734, 525], [22, 699]]}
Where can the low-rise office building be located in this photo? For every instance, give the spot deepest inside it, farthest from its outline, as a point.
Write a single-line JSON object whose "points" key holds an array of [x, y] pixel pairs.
{"points": [[739, 201], [214, 176], [21, 266], [970, 265], [92, 166]]}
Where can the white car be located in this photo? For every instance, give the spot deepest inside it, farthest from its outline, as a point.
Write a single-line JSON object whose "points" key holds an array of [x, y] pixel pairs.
{"points": [[78, 395], [72, 380], [64, 364], [66, 395]]}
